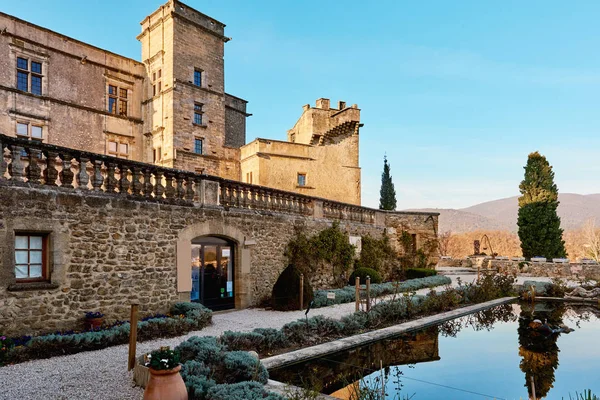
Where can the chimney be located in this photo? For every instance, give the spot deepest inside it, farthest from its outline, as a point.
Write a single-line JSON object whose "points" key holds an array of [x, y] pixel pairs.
{"points": [[323, 103], [341, 105]]}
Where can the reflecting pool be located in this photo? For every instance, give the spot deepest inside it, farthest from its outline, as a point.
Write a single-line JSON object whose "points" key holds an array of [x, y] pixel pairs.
{"points": [[499, 353]]}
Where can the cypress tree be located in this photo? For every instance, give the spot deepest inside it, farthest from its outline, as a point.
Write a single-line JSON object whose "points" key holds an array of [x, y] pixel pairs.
{"points": [[387, 194], [538, 221]]}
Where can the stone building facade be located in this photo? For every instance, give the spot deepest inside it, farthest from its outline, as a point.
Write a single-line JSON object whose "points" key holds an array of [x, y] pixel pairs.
{"points": [[320, 157], [171, 109], [78, 234]]}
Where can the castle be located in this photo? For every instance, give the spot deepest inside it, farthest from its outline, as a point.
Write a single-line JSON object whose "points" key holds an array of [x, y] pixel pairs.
{"points": [[170, 109]]}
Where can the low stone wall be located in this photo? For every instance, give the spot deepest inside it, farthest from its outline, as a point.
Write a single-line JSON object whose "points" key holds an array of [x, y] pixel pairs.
{"points": [[546, 269]]}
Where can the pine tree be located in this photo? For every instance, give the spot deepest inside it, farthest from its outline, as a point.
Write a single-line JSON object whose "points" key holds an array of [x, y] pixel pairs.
{"points": [[538, 221], [387, 194]]}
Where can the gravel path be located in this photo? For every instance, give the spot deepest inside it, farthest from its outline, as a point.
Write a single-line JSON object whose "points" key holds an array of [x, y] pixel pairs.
{"points": [[102, 374]]}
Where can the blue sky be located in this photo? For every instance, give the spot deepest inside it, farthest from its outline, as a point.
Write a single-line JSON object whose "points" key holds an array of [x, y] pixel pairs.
{"points": [[455, 93]]}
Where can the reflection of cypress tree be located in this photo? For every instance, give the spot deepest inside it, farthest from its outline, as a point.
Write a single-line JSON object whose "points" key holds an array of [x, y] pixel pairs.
{"points": [[539, 352]]}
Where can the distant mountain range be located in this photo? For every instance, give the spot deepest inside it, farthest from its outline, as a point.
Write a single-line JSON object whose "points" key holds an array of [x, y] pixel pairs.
{"points": [[574, 210]]}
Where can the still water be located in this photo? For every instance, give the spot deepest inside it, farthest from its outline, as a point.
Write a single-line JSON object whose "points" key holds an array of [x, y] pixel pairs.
{"points": [[493, 354]]}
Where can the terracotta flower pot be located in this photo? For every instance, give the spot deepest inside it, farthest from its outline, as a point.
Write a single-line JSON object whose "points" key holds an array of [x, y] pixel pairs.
{"points": [[93, 323], [166, 385]]}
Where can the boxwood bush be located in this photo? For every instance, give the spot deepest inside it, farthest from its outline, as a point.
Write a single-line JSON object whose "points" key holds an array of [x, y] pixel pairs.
{"points": [[413, 273], [347, 294], [362, 273], [187, 317]]}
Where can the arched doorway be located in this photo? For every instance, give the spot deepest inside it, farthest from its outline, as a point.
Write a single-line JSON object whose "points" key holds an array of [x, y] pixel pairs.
{"points": [[213, 272]]}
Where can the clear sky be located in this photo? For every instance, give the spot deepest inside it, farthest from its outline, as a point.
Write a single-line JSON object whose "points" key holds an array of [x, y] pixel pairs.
{"points": [[456, 93]]}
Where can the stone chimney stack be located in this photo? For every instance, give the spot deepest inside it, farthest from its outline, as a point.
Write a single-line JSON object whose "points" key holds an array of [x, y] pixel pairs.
{"points": [[323, 103], [341, 105]]}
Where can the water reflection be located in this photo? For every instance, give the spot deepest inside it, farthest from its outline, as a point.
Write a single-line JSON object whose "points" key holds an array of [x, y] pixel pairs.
{"points": [[441, 366], [341, 375], [538, 348]]}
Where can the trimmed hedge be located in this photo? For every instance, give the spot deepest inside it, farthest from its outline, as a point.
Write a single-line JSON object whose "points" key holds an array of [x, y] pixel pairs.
{"points": [[413, 273], [362, 273], [347, 294], [188, 317]]}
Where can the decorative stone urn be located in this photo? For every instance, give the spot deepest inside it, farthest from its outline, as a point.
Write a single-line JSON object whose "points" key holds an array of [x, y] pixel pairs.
{"points": [[166, 385]]}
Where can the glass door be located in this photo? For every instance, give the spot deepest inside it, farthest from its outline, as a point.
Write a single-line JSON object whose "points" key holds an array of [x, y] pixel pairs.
{"points": [[213, 273]]}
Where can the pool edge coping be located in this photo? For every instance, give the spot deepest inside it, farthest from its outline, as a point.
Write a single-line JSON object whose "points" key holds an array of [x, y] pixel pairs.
{"points": [[347, 343]]}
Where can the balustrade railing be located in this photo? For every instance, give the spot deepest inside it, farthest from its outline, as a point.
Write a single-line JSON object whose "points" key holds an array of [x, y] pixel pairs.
{"points": [[31, 162], [344, 211], [243, 195]]}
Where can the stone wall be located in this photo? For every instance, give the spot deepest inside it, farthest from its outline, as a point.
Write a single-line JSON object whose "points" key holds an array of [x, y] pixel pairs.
{"points": [[551, 270], [424, 227], [108, 252], [120, 232]]}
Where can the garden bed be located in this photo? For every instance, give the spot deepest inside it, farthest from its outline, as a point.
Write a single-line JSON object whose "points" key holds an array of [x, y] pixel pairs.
{"points": [[185, 317], [347, 294]]}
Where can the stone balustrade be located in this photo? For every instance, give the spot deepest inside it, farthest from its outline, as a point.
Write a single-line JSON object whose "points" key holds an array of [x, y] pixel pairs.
{"points": [[29, 162], [337, 210]]}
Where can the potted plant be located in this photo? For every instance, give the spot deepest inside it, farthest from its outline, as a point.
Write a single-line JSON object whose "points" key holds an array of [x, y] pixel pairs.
{"points": [[93, 319], [165, 380]]}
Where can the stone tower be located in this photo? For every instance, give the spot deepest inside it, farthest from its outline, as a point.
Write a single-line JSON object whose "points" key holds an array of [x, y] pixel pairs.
{"points": [[189, 121]]}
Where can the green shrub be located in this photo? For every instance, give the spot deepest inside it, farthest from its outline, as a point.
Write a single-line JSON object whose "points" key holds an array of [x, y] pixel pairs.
{"points": [[377, 254], [239, 366], [362, 273], [273, 338], [413, 273], [197, 386], [331, 246], [242, 390], [354, 323], [260, 340], [206, 349], [302, 331], [286, 292]]}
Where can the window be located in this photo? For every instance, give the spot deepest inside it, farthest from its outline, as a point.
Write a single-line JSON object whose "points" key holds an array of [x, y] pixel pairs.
{"points": [[118, 149], [198, 77], [248, 177], [301, 179], [198, 144], [198, 114], [29, 75], [157, 154], [30, 256], [156, 82], [117, 100], [29, 130]]}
